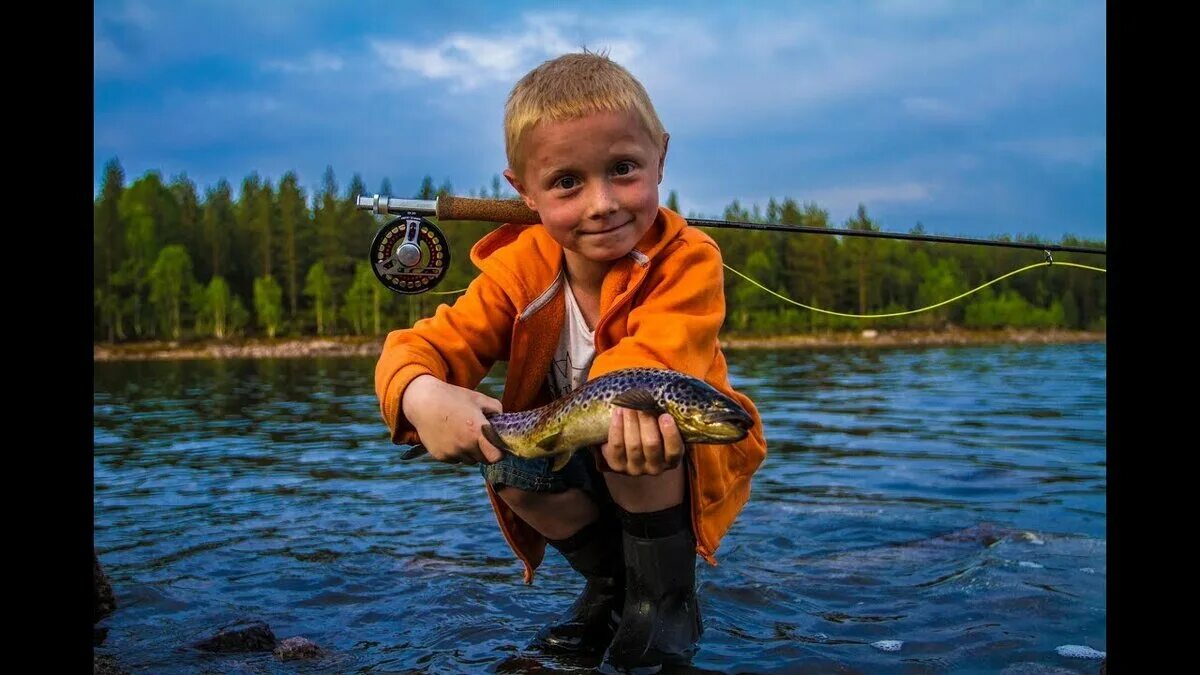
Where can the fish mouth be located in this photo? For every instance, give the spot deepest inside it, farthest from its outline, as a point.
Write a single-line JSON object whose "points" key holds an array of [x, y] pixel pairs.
{"points": [[738, 418]]}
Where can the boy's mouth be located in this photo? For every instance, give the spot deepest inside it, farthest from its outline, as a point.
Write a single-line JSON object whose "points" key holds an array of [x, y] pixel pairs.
{"points": [[611, 229]]}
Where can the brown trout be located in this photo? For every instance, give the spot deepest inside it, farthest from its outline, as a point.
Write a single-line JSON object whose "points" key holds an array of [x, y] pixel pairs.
{"points": [[581, 418]]}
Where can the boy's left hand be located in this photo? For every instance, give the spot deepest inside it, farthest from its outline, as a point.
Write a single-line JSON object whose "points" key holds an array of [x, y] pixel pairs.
{"points": [[642, 443]]}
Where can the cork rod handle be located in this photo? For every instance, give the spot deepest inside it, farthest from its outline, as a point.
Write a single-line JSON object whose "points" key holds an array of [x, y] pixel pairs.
{"points": [[489, 210]]}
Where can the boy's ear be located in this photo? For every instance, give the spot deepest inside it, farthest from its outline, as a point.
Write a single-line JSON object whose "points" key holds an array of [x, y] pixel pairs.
{"points": [[662, 161], [512, 179]]}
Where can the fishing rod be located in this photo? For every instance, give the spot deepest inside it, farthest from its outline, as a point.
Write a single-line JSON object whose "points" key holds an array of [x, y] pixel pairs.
{"points": [[411, 255]]}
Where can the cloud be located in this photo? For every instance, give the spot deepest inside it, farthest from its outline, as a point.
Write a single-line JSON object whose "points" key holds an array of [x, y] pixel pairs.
{"points": [[846, 198], [468, 61], [120, 35], [107, 57], [934, 110], [316, 62], [1081, 151]]}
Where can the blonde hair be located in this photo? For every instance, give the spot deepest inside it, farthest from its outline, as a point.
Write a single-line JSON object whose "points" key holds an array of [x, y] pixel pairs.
{"points": [[569, 87]]}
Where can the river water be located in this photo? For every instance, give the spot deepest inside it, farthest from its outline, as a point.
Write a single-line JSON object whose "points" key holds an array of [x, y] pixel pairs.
{"points": [[920, 510]]}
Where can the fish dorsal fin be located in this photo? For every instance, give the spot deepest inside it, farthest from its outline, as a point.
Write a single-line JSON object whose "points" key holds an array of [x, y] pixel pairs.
{"points": [[638, 399], [561, 461]]}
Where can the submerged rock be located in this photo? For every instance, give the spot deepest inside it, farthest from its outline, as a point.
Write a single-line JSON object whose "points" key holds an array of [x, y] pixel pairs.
{"points": [[103, 664], [243, 636], [104, 602], [297, 648]]}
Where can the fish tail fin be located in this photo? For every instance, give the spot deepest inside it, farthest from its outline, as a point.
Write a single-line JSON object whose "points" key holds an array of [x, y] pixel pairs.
{"points": [[494, 438]]}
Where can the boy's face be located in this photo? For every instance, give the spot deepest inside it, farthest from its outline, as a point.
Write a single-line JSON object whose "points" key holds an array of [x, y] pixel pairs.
{"points": [[594, 181]]}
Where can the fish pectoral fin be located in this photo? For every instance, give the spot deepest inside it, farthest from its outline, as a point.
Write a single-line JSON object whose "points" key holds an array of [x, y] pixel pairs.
{"points": [[561, 461], [638, 399], [548, 439], [413, 452]]}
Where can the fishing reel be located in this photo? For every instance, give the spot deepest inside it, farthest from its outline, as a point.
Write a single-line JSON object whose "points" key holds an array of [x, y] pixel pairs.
{"points": [[409, 254]]}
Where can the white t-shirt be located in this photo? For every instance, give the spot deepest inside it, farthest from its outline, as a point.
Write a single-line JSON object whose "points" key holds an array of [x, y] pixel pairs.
{"points": [[576, 349]]}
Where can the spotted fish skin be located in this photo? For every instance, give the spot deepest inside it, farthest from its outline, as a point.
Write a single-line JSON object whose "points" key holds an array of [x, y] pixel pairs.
{"points": [[581, 418]]}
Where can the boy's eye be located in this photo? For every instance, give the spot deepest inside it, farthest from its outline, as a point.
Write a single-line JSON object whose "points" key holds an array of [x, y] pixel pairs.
{"points": [[566, 183], [623, 168]]}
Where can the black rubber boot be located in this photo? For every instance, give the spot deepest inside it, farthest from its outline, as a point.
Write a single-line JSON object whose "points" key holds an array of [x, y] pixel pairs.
{"points": [[661, 621], [588, 626]]}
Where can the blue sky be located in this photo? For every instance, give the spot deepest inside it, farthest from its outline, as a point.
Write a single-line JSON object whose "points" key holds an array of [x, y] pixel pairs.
{"points": [[972, 118]]}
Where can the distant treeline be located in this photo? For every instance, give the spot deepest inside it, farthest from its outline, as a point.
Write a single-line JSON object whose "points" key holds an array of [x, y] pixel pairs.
{"points": [[170, 263]]}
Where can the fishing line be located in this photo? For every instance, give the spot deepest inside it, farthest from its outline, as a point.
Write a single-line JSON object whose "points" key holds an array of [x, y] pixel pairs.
{"points": [[879, 316], [913, 311]]}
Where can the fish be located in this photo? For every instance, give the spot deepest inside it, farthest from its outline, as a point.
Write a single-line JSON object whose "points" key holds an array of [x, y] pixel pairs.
{"points": [[581, 418]]}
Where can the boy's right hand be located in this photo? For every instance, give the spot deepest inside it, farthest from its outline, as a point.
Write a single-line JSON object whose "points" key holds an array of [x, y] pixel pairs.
{"points": [[448, 419]]}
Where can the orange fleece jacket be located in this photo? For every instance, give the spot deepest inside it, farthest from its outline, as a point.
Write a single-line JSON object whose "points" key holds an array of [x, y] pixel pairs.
{"points": [[661, 306]]}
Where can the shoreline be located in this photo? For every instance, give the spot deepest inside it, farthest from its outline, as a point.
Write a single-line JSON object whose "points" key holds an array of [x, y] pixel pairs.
{"points": [[312, 347]]}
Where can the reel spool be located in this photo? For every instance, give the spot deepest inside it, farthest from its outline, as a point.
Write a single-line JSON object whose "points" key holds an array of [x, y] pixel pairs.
{"points": [[410, 255]]}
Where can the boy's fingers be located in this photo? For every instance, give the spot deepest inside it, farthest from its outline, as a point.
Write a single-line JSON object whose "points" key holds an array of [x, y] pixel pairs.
{"points": [[491, 454], [634, 456], [672, 441], [490, 405], [614, 449], [652, 445]]}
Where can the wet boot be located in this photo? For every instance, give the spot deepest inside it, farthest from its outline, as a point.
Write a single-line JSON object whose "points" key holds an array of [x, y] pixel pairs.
{"points": [[588, 625], [661, 623]]}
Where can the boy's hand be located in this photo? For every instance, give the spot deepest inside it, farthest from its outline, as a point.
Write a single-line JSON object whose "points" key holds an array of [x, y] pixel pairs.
{"points": [[641, 443], [448, 419]]}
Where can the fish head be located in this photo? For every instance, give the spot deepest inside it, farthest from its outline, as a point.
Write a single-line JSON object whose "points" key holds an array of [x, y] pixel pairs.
{"points": [[705, 415]]}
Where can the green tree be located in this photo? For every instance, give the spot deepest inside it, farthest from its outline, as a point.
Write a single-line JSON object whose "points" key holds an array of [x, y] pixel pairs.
{"points": [[218, 222], [239, 317], [187, 202], [293, 218], [141, 210], [359, 227], [217, 305], [245, 263], [318, 288], [170, 282], [750, 298], [427, 190], [107, 237], [359, 298], [862, 251], [941, 281], [330, 236], [264, 222], [268, 303]]}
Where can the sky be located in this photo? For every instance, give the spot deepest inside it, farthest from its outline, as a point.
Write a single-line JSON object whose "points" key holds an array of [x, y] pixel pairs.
{"points": [[970, 118]]}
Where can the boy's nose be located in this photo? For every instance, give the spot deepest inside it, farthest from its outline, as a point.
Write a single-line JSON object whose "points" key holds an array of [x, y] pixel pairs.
{"points": [[603, 200]]}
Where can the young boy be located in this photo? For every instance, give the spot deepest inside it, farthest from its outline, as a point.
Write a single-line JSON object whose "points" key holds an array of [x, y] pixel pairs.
{"points": [[608, 280]]}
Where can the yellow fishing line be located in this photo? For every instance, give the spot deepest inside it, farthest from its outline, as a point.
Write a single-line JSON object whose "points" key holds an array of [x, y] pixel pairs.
{"points": [[913, 311], [880, 316]]}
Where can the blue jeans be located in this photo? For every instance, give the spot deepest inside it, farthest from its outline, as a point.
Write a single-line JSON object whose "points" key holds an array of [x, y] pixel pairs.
{"points": [[534, 475]]}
